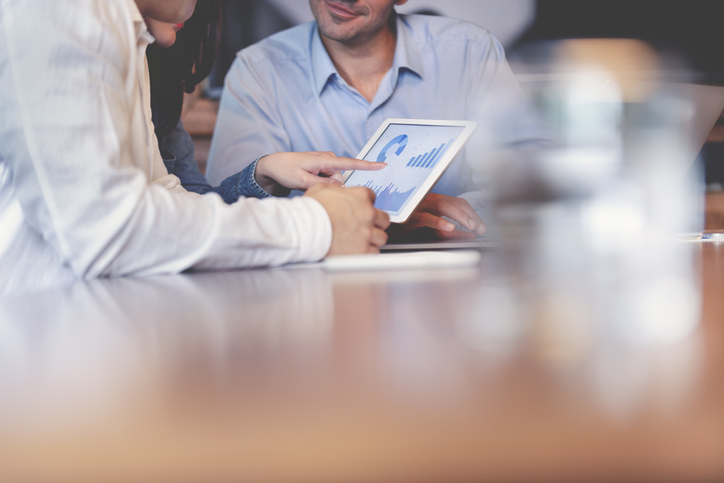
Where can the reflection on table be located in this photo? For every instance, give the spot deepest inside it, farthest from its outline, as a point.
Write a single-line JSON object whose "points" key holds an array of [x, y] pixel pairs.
{"points": [[301, 375]]}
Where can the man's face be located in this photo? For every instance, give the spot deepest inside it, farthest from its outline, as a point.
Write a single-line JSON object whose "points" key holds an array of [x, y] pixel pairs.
{"points": [[352, 21], [169, 11]]}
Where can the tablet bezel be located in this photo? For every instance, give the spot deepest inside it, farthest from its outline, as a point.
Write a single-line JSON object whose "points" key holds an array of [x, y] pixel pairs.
{"points": [[439, 169]]}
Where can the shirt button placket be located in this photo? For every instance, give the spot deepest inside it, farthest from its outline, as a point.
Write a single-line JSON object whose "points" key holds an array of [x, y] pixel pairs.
{"points": [[374, 120]]}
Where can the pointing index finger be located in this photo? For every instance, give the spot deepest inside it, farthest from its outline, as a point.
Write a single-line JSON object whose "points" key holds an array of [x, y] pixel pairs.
{"points": [[343, 164]]}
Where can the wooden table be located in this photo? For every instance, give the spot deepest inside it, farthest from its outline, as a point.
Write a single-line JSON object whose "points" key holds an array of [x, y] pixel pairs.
{"points": [[301, 375]]}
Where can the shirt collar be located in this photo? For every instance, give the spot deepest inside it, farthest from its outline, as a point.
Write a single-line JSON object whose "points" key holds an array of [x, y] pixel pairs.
{"points": [[406, 57], [322, 65], [143, 36]]}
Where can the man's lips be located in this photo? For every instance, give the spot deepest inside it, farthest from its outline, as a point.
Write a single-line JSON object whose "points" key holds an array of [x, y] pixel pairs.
{"points": [[341, 11]]}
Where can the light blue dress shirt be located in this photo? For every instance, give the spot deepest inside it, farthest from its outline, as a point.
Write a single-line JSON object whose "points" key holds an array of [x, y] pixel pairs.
{"points": [[284, 94]]}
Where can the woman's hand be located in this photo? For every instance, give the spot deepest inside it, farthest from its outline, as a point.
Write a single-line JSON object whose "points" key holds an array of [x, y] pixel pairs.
{"points": [[357, 227], [301, 171]]}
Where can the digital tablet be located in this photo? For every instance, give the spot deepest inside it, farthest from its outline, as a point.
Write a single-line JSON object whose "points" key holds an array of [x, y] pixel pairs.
{"points": [[478, 243], [417, 151]]}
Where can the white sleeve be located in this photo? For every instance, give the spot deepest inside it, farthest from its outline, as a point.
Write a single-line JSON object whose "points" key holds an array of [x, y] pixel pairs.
{"points": [[75, 171]]}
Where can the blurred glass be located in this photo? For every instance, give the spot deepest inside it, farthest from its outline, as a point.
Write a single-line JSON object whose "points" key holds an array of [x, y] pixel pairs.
{"points": [[590, 217]]}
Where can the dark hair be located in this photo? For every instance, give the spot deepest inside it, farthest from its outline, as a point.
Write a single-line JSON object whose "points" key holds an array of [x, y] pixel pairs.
{"points": [[179, 68]]}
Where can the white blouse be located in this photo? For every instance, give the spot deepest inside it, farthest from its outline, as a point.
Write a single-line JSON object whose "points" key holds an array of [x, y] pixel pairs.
{"points": [[83, 189]]}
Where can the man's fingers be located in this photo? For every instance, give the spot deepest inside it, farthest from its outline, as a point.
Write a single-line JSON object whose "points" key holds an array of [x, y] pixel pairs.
{"points": [[459, 210], [429, 220], [455, 235]]}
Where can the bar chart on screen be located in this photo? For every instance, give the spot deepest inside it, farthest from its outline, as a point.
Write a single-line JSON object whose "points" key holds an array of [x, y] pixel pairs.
{"points": [[392, 195], [429, 160], [412, 152]]}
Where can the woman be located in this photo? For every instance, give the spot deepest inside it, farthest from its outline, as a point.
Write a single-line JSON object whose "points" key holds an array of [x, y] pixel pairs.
{"points": [[183, 56], [83, 189]]}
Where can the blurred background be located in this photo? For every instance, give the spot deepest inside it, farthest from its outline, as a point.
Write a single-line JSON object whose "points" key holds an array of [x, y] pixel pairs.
{"points": [[690, 31], [586, 347]]}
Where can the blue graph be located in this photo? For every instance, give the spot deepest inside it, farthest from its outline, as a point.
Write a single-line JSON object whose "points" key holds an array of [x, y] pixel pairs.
{"points": [[429, 159], [389, 198], [400, 141]]}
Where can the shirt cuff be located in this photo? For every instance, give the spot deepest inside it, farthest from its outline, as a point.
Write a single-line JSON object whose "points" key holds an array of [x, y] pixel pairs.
{"points": [[314, 227], [248, 187]]}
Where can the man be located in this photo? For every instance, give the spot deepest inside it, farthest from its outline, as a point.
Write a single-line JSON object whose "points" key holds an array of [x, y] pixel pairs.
{"points": [[83, 190], [329, 84]]}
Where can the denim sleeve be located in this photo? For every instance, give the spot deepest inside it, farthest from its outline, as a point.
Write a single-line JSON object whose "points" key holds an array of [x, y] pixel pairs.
{"points": [[177, 150], [243, 184]]}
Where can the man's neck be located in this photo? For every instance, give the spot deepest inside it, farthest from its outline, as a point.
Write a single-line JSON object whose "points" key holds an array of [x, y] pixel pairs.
{"points": [[363, 65]]}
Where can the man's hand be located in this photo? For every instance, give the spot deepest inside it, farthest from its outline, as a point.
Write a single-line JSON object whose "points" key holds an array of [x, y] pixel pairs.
{"points": [[427, 222], [357, 227], [301, 171]]}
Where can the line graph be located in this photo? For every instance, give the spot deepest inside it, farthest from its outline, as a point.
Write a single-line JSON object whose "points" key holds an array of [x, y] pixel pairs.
{"points": [[389, 198]]}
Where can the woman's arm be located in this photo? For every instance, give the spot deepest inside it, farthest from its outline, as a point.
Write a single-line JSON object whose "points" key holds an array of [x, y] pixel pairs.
{"points": [[272, 175], [177, 150]]}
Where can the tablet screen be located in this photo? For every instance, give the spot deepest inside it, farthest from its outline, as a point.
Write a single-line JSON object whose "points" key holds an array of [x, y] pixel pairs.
{"points": [[411, 151]]}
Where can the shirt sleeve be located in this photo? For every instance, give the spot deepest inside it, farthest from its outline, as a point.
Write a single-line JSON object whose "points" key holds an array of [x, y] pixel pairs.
{"points": [[249, 124], [177, 150], [506, 119], [79, 180]]}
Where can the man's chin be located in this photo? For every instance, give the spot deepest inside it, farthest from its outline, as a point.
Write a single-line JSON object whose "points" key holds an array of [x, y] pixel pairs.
{"points": [[343, 34]]}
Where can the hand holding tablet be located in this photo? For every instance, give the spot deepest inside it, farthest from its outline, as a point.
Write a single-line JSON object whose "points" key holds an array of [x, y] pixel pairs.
{"points": [[417, 152], [433, 220]]}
